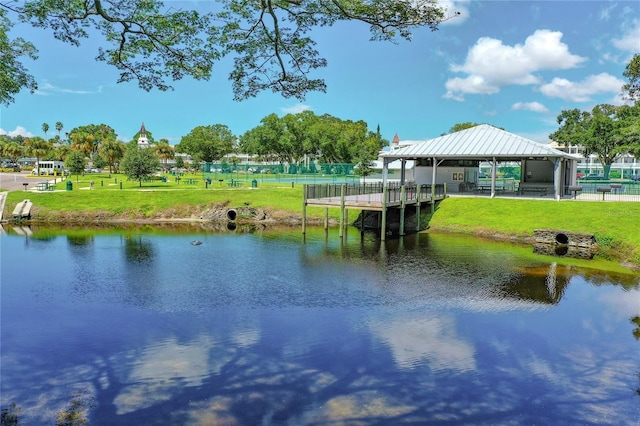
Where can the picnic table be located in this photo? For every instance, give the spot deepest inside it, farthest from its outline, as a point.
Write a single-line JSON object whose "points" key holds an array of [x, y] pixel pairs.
{"points": [[45, 186], [234, 183]]}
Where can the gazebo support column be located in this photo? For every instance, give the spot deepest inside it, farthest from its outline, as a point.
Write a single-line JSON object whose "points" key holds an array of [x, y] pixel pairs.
{"points": [[557, 178], [494, 170], [385, 171]]}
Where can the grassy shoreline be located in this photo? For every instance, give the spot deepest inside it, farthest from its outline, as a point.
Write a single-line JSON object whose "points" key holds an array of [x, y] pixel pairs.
{"points": [[616, 225]]}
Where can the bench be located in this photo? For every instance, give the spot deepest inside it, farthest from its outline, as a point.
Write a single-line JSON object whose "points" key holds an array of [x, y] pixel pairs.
{"points": [[616, 187], [234, 184], [575, 190], [604, 190], [153, 179], [541, 190], [191, 181]]}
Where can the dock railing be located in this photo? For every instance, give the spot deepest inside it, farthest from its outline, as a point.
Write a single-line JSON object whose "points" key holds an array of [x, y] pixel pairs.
{"points": [[372, 196], [412, 192]]}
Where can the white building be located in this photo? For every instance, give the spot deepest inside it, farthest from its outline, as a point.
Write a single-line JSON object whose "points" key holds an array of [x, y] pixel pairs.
{"points": [[626, 165]]}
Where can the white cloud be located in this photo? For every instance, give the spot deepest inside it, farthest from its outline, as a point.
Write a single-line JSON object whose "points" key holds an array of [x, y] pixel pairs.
{"points": [[630, 41], [529, 106], [473, 84], [18, 131], [490, 64], [456, 12], [582, 91], [45, 88], [605, 13], [295, 109]]}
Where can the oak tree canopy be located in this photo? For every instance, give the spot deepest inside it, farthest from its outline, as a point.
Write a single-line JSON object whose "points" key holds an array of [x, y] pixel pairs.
{"points": [[154, 44]]}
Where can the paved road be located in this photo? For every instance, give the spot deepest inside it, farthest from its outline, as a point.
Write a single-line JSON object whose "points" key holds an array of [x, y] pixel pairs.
{"points": [[15, 181]]}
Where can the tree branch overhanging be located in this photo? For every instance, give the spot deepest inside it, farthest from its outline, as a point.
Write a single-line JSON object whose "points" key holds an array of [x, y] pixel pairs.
{"points": [[151, 44]]}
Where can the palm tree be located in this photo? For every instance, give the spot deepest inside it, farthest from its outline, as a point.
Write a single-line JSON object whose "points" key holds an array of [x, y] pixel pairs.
{"points": [[112, 151], [61, 152], [13, 151], [45, 129], [37, 147], [164, 151], [83, 142], [59, 127]]}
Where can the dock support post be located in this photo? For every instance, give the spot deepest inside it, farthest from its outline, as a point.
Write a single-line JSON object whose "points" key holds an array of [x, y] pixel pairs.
{"points": [[434, 177], [304, 210], [403, 199], [326, 218], [418, 208], [383, 225], [346, 220], [433, 197], [341, 231]]}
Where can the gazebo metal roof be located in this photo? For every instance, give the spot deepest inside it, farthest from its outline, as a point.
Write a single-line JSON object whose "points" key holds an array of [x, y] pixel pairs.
{"points": [[479, 142]]}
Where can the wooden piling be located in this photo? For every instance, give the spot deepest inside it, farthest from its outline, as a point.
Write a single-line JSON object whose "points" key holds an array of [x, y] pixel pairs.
{"points": [[403, 201], [383, 225], [304, 210], [342, 210]]}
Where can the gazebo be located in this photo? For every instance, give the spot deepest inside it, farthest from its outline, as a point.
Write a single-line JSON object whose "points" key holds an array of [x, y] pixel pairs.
{"points": [[454, 160]]}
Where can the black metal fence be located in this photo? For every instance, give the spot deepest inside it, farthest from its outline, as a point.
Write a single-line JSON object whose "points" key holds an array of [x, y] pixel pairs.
{"points": [[604, 191]]}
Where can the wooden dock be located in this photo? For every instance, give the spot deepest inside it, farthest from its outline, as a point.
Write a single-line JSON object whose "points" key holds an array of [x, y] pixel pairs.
{"points": [[370, 197]]}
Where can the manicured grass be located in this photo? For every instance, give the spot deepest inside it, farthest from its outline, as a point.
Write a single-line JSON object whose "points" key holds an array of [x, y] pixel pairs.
{"points": [[152, 197], [520, 217], [616, 225]]}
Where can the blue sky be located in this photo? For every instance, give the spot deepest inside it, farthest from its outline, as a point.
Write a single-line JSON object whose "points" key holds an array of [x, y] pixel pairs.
{"points": [[513, 64]]}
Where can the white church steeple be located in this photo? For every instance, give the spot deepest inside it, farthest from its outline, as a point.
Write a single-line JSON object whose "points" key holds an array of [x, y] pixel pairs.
{"points": [[143, 142]]}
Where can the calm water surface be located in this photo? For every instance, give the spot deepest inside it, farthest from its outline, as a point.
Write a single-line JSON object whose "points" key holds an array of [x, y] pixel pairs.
{"points": [[135, 328]]}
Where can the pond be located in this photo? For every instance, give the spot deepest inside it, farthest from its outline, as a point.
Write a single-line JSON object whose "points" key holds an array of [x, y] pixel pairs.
{"points": [[148, 327]]}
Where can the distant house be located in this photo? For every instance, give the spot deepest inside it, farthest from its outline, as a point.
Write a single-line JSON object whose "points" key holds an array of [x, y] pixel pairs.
{"points": [[454, 160]]}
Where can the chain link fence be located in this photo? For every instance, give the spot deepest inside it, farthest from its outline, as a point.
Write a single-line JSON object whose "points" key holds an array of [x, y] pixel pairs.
{"points": [[281, 173]]}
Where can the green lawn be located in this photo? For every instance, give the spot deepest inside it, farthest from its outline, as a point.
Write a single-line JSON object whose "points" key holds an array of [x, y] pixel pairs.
{"points": [[616, 225], [134, 200]]}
